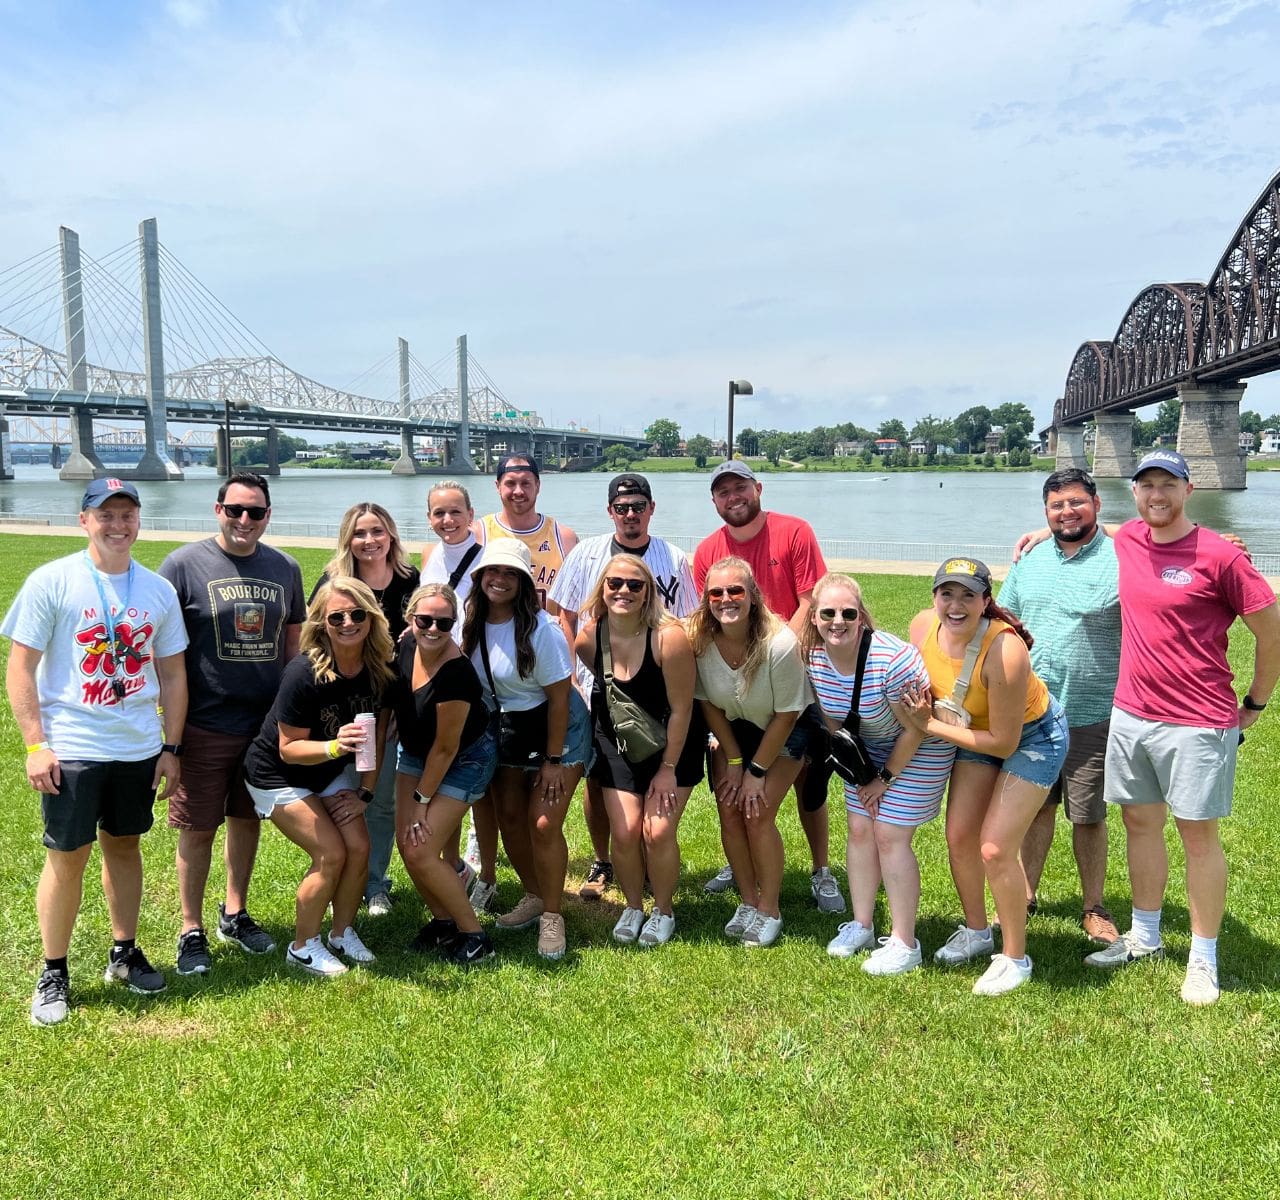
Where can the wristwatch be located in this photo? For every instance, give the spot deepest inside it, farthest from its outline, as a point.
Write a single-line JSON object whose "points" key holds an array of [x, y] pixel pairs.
{"points": [[174, 748], [886, 775], [1251, 704], [554, 759], [365, 794], [754, 768]]}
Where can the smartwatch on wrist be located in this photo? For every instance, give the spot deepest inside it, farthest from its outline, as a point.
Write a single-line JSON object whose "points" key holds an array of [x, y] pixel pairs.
{"points": [[754, 768], [174, 748], [365, 794], [886, 775], [555, 759], [1251, 704]]}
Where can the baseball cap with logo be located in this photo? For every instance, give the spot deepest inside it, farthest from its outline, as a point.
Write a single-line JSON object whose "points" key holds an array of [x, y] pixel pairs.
{"points": [[101, 490], [732, 466], [967, 572], [1166, 460]]}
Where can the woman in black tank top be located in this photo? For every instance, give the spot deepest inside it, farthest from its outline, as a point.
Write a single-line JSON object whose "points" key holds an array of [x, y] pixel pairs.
{"points": [[653, 666]]}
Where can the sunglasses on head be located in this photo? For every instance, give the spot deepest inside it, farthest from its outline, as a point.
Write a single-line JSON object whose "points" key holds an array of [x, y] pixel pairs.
{"points": [[615, 583], [235, 511], [735, 590], [622, 507], [829, 614], [339, 619], [424, 622]]}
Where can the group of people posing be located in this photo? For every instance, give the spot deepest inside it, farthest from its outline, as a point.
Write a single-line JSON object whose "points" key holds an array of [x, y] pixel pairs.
{"points": [[401, 702]]}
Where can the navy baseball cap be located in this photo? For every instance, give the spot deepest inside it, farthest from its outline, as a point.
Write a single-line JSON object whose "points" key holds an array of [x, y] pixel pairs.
{"points": [[101, 490], [732, 466], [1166, 460]]}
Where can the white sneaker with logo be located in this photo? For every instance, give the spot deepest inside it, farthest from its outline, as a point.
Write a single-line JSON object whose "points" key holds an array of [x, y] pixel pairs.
{"points": [[312, 957]]}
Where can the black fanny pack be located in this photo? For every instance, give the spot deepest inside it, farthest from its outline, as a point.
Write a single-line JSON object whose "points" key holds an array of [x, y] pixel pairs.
{"points": [[843, 752]]}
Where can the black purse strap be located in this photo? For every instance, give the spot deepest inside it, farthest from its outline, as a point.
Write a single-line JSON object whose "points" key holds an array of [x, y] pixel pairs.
{"points": [[461, 570], [488, 670], [854, 719]]}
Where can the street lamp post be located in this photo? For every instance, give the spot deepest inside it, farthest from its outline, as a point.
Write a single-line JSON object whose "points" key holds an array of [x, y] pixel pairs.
{"points": [[737, 387]]}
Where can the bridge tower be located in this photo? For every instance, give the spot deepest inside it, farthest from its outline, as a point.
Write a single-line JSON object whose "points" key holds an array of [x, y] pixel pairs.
{"points": [[406, 464], [460, 460], [155, 462], [1209, 435], [83, 461]]}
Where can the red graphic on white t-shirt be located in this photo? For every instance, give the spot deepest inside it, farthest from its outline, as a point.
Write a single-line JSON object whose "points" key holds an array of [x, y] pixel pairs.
{"points": [[103, 663]]}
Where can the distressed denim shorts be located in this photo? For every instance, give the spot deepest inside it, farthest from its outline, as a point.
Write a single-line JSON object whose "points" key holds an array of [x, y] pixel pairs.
{"points": [[1041, 751], [469, 774]]}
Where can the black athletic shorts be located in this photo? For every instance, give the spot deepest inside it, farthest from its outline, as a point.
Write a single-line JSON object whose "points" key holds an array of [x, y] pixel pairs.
{"points": [[118, 798]]}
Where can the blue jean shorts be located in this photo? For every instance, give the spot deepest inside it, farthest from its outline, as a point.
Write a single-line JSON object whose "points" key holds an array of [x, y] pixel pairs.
{"points": [[1041, 750], [467, 778]]}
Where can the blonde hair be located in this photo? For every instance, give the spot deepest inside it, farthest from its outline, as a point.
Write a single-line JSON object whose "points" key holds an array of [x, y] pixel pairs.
{"points": [[450, 485], [652, 612], [811, 638], [762, 624], [378, 647], [344, 562], [426, 591]]}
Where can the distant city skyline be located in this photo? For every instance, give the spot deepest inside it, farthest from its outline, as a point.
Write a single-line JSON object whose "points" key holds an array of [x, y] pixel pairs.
{"points": [[869, 210]]}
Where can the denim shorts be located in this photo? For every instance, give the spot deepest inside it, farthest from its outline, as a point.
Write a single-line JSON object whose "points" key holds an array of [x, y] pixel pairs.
{"points": [[1041, 750], [468, 776], [267, 800]]}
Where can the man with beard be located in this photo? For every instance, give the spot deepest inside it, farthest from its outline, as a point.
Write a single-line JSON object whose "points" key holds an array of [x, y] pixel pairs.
{"points": [[1066, 592], [785, 559]]}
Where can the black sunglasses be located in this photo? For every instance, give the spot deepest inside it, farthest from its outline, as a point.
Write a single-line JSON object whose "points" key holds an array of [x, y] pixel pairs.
{"points": [[634, 506], [615, 583], [829, 614], [424, 622], [339, 619], [734, 589], [235, 511]]}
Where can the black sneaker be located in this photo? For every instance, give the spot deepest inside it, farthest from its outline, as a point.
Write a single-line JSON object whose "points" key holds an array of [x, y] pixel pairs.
{"points": [[132, 968], [193, 953], [52, 998], [243, 931], [437, 934], [471, 949]]}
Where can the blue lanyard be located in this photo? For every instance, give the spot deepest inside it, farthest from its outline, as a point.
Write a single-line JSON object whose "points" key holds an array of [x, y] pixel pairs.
{"points": [[106, 609]]}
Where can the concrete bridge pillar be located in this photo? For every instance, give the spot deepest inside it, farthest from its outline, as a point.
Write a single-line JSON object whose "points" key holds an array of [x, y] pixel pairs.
{"points": [[273, 450], [1069, 448], [1113, 448], [6, 455], [82, 460], [462, 464], [1209, 436], [220, 452], [406, 464], [155, 462]]}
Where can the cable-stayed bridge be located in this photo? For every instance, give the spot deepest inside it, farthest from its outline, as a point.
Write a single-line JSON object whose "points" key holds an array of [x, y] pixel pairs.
{"points": [[166, 349]]}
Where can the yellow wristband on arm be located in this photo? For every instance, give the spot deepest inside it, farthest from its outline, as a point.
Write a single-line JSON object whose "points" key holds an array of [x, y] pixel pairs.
{"points": [[37, 747], [334, 749], [734, 762]]}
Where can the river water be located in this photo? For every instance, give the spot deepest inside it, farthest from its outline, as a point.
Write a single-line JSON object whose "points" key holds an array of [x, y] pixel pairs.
{"points": [[910, 515]]}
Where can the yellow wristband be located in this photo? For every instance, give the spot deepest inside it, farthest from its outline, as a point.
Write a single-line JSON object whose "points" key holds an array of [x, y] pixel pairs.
{"points": [[334, 749], [37, 747], [734, 762]]}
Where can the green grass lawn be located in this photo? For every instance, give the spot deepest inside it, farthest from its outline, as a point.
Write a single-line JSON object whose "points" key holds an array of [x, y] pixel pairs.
{"points": [[698, 1069]]}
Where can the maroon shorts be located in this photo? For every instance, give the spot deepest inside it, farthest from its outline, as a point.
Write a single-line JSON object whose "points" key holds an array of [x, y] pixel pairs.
{"points": [[212, 781]]}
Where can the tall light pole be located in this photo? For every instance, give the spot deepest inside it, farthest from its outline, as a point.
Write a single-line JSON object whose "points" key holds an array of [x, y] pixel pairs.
{"points": [[737, 387]]}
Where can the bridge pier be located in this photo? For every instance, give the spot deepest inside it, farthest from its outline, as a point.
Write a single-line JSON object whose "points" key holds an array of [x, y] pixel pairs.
{"points": [[1113, 446], [6, 459], [462, 464], [1069, 451], [155, 462], [82, 459], [1209, 436], [406, 464], [273, 450]]}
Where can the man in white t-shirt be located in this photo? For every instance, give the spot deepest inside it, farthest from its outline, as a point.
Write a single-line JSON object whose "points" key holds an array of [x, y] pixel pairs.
{"points": [[97, 647], [631, 508]]}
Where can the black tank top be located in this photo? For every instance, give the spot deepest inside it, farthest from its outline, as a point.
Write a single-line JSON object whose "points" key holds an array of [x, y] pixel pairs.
{"points": [[647, 687]]}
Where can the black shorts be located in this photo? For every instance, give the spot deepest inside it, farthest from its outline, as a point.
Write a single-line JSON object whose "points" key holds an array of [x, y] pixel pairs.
{"points": [[116, 797], [612, 769]]}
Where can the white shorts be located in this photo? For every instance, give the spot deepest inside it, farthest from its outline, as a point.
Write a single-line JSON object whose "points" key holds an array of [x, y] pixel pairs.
{"points": [[265, 800]]}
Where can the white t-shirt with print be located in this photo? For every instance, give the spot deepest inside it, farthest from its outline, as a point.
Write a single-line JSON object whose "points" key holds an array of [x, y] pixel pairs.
{"points": [[518, 693]]}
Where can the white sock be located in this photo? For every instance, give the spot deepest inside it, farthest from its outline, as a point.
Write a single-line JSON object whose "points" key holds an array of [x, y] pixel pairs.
{"points": [[1024, 961], [1205, 949], [984, 932], [1146, 925]]}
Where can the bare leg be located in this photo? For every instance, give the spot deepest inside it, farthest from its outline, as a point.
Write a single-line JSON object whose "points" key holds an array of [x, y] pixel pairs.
{"points": [[662, 849], [241, 852], [550, 850], [354, 875], [625, 811], [194, 856], [1013, 807], [1147, 855], [1035, 846], [599, 823], [967, 800], [1089, 842], [485, 817], [58, 897], [862, 861], [733, 837], [901, 874], [306, 824], [122, 881], [436, 880], [1206, 875], [763, 837], [510, 791]]}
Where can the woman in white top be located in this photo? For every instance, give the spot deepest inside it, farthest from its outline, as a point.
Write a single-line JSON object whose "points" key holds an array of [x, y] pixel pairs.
{"points": [[753, 687], [544, 734]]}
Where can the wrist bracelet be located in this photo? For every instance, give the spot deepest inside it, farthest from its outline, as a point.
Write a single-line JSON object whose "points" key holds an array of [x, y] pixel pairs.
{"points": [[1251, 705], [671, 765], [333, 749], [734, 762], [37, 747]]}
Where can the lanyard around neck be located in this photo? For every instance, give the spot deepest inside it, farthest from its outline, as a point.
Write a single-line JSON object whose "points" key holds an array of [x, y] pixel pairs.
{"points": [[107, 616]]}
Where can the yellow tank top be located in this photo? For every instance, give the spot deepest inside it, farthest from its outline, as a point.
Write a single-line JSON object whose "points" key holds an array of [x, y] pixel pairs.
{"points": [[944, 671], [546, 548]]}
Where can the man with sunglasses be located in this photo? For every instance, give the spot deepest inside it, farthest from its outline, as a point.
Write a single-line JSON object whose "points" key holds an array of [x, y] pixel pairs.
{"points": [[630, 506], [243, 606], [786, 560]]}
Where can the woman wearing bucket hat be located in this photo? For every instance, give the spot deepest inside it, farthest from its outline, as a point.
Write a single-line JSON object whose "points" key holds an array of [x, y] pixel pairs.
{"points": [[1010, 736], [544, 730]]}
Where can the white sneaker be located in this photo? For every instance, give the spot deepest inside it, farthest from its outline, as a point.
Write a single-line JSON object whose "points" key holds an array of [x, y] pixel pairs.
{"points": [[657, 929], [468, 875], [1124, 950], [482, 896], [379, 904], [1003, 975], [721, 881], [892, 957], [964, 946], [1201, 984], [348, 944], [851, 937], [764, 931], [314, 958], [628, 927], [740, 922], [472, 855]]}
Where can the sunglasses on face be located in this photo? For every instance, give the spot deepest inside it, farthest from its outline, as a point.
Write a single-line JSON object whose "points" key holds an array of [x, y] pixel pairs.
{"points": [[339, 619], [829, 614], [235, 511], [734, 591], [616, 583], [424, 622], [634, 506]]}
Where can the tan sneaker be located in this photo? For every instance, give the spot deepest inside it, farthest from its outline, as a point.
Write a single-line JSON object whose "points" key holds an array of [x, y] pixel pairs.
{"points": [[523, 915], [551, 939], [1099, 926]]}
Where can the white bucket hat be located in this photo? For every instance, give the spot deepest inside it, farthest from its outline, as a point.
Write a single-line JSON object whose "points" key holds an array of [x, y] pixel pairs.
{"points": [[504, 552]]}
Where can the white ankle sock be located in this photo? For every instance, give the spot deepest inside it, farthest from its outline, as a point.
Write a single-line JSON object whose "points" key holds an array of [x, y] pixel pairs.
{"points": [[1147, 926], [1205, 949]]}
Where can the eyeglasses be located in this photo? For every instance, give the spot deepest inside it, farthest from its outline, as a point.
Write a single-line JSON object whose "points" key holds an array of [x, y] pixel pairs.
{"points": [[1076, 502], [424, 622], [615, 583], [633, 506], [339, 619], [735, 590], [829, 614], [235, 511]]}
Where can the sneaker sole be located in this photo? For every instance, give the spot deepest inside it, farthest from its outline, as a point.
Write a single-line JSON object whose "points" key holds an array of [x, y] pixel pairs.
{"points": [[202, 969], [39, 1024], [235, 941], [109, 977], [844, 953], [899, 971], [316, 971], [551, 955], [591, 892]]}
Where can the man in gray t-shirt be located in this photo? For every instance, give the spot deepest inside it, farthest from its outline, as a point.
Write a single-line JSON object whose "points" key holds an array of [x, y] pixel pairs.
{"points": [[242, 603]]}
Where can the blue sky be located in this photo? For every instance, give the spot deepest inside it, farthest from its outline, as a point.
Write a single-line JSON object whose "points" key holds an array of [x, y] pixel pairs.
{"points": [[868, 210]]}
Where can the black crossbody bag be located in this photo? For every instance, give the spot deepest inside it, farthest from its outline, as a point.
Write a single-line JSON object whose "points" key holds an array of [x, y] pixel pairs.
{"points": [[847, 753], [522, 736]]}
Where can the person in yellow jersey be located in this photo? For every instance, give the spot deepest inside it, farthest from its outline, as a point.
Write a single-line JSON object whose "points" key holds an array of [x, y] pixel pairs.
{"points": [[549, 541]]}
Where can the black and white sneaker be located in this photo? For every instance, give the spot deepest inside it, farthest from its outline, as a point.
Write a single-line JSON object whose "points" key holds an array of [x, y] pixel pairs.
{"points": [[193, 953], [314, 958], [472, 949], [438, 934], [132, 968], [242, 930], [52, 998]]}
